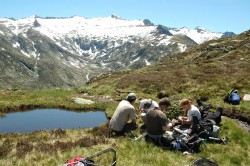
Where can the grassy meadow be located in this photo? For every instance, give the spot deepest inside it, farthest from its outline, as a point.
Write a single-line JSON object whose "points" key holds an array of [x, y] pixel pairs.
{"points": [[54, 147]]}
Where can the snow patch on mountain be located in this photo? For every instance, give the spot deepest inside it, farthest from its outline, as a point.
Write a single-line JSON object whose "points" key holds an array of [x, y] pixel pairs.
{"points": [[147, 63], [165, 41], [96, 27], [199, 35], [16, 45], [182, 47]]}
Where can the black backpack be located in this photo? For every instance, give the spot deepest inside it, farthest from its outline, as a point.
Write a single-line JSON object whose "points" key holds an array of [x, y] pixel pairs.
{"points": [[204, 162], [215, 116], [188, 143], [206, 114], [204, 128]]}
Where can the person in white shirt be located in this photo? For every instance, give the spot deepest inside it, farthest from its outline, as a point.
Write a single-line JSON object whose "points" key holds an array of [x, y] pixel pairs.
{"points": [[191, 111], [145, 106]]}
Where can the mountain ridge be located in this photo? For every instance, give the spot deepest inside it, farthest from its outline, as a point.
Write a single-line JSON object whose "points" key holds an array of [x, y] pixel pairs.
{"points": [[85, 47]]}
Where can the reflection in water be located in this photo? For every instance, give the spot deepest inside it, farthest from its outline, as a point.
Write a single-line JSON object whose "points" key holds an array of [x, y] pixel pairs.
{"points": [[47, 119]]}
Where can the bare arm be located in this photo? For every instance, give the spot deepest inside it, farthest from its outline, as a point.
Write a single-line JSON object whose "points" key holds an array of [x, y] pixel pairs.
{"points": [[181, 119], [184, 120], [187, 122]]}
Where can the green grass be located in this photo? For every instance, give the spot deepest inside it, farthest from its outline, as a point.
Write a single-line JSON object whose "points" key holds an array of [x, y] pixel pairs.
{"points": [[129, 151], [21, 100], [56, 146]]}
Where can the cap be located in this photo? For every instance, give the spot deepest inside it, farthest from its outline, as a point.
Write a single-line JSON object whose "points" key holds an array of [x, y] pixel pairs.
{"points": [[148, 104], [131, 96]]}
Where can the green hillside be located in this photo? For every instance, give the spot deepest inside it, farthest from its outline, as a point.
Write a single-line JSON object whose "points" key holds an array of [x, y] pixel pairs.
{"points": [[207, 71]]}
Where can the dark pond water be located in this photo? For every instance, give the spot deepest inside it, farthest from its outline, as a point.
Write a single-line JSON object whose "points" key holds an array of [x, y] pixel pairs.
{"points": [[47, 119]]}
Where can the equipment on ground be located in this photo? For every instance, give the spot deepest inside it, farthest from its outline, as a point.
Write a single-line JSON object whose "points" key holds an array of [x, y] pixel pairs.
{"points": [[90, 161]]}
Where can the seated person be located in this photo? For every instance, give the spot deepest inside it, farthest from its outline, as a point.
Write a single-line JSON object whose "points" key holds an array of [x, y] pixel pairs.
{"points": [[124, 112], [191, 111], [145, 106], [157, 121]]}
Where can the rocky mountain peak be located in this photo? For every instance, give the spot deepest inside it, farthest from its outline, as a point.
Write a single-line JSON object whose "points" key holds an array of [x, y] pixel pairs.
{"points": [[115, 16], [66, 52]]}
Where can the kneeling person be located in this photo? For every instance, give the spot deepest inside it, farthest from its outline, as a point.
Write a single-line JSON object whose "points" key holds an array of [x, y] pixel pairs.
{"points": [[157, 121], [145, 106], [124, 112]]}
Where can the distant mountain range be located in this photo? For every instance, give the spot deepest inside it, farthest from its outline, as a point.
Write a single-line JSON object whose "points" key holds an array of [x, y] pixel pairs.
{"points": [[48, 52]]}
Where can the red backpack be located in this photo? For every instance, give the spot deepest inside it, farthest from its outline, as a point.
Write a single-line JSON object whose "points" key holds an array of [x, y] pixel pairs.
{"points": [[79, 161], [74, 161]]}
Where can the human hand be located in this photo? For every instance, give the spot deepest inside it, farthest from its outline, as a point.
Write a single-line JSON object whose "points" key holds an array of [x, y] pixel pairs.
{"points": [[180, 119]]}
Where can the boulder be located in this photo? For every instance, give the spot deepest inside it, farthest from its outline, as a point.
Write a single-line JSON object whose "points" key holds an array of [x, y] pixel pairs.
{"points": [[82, 101]]}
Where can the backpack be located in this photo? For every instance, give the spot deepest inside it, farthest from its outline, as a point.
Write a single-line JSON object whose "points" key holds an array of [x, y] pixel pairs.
{"points": [[79, 161], [234, 98], [187, 143], [204, 162], [205, 128], [73, 161], [215, 132], [89, 161], [215, 116], [204, 108], [207, 114]]}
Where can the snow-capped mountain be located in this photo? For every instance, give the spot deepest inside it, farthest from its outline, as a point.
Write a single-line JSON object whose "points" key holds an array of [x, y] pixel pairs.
{"points": [[199, 35], [63, 52]]}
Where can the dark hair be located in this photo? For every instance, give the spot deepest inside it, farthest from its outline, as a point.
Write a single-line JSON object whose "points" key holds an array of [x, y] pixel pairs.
{"points": [[164, 101]]}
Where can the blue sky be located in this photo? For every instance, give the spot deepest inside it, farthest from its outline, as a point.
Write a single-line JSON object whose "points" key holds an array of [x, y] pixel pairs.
{"points": [[214, 15]]}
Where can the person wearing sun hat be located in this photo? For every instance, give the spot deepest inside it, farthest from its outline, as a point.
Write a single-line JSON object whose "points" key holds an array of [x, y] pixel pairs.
{"points": [[124, 112], [145, 106]]}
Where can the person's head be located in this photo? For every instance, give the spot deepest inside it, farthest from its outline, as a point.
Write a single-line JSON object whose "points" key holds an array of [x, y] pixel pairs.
{"points": [[148, 104], [185, 104], [164, 103], [131, 97]]}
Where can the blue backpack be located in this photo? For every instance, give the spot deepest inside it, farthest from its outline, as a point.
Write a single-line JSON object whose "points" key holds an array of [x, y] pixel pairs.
{"points": [[234, 98]]}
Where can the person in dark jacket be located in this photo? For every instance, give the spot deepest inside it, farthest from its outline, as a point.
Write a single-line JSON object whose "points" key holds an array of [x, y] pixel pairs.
{"points": [[157, 121]]}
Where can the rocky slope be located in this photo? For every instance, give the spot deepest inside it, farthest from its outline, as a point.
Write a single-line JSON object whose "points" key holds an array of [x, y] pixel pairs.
{"points": [[47, 52]]}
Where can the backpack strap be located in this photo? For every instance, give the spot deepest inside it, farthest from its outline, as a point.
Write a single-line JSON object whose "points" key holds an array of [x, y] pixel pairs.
{"points": [[233, 91]]}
